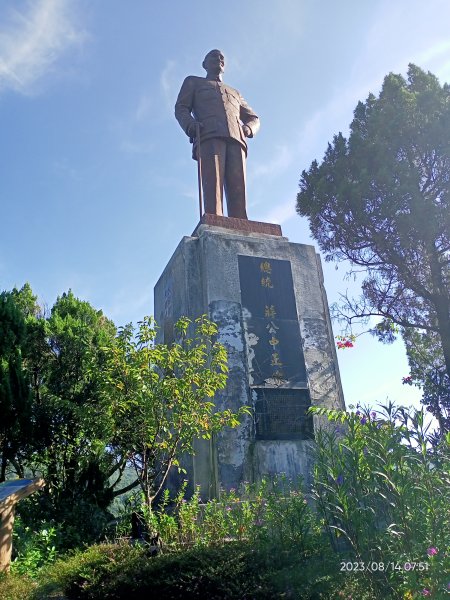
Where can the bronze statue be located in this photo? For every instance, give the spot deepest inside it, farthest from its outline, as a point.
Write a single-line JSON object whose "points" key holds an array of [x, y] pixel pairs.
{"points": [[224, 120]]}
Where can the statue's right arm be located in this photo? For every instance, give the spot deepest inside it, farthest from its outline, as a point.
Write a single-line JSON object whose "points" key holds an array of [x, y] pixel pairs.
{"points": [[183, 106]]}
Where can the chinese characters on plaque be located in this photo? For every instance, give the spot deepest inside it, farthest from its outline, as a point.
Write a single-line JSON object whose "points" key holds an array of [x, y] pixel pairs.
{"points": [[271, 323]]}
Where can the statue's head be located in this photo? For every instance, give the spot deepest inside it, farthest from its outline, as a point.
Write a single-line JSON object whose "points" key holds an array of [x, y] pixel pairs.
{"points": [[214, 62]]}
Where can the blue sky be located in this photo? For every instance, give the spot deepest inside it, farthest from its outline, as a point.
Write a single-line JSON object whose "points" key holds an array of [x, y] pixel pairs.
{"points": [[97, 186]]}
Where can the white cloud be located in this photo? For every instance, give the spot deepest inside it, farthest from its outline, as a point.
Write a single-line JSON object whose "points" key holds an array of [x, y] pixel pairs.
{"points": [[276, 166], [33, 40], [144, 108], [281, 213], [169, 85]]}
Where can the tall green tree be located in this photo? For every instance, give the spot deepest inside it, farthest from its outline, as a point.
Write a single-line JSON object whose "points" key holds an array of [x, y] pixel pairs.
{"points": [[64, 351], [74, 416], [16, 418], [381, 200]]}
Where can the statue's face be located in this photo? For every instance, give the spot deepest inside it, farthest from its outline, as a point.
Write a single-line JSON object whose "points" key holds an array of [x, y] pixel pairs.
{"points": [[214, 62]]}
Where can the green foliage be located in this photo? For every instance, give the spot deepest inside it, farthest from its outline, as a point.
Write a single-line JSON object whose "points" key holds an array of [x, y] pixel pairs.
{"points": [[271, 512], [113, 572], [64, 357], [98, 403], [427, 370], [16, 587], [159, 396], [383, 492], [381, 495], [54, 421], [33, 548], [16, 425], [381, 199], [236, 570]]}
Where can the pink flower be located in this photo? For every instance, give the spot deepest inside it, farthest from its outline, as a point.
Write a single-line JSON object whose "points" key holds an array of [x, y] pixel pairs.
{"points": [[426, 592], [432, 551]]}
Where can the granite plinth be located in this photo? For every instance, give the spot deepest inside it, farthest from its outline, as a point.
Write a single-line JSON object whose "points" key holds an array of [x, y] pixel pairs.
{"points": [[243, 225], [267, 297]]}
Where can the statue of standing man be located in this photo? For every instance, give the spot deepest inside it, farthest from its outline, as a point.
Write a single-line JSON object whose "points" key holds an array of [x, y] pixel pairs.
{"points": [[224, 120]]}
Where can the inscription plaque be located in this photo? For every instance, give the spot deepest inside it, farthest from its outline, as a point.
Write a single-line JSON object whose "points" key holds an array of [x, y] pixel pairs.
{"points": [[274, 347], [281, 414]]}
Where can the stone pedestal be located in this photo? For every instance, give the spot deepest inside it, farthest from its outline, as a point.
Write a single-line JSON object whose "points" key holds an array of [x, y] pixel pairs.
{"points": [[267, 297]]}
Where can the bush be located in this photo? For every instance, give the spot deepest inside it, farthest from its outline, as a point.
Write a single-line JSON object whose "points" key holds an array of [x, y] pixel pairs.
{"points": [[235, 570], [382, 489], [379, 528], [33, 547], [77, 521], [16, 587], [268, 513]]}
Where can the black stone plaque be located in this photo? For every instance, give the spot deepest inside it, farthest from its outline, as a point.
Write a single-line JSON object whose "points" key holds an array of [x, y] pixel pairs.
{"points": [[281, 414], [274, 347]]}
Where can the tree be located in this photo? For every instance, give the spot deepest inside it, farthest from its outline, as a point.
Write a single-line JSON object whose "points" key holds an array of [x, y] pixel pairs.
{"points": [[63, 353], [159, 395], [74, 456], [381, 199], [16, 423], [427, 370]]}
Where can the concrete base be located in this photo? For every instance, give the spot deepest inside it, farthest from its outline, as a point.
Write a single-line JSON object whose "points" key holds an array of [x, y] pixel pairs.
{"points": [[255, 285]]}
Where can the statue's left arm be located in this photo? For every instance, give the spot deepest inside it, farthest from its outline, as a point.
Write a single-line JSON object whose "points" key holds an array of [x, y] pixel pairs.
{"points": [[249, 118]]}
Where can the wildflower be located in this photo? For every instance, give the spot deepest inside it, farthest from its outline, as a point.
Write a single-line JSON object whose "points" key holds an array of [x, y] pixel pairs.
{"points": [[432, 551], [340, 479], [426, 592], [407, 380], [363, 420], [344, 342], [373, 415], [228, 508]]}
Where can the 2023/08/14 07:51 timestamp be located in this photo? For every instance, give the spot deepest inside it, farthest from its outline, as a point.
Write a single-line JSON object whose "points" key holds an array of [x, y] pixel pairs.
{"points": [[374, 566]]}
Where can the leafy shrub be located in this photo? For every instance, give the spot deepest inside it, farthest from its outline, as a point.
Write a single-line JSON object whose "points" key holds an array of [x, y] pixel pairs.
{"points": [[378, 528], [33, 547], [16, 587], [235, 570], [382, 489], [77, 521], [271, 512]]}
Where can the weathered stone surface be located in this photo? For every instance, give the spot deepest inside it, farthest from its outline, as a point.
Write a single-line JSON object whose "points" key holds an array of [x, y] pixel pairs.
{"points": [[203, 277]]}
